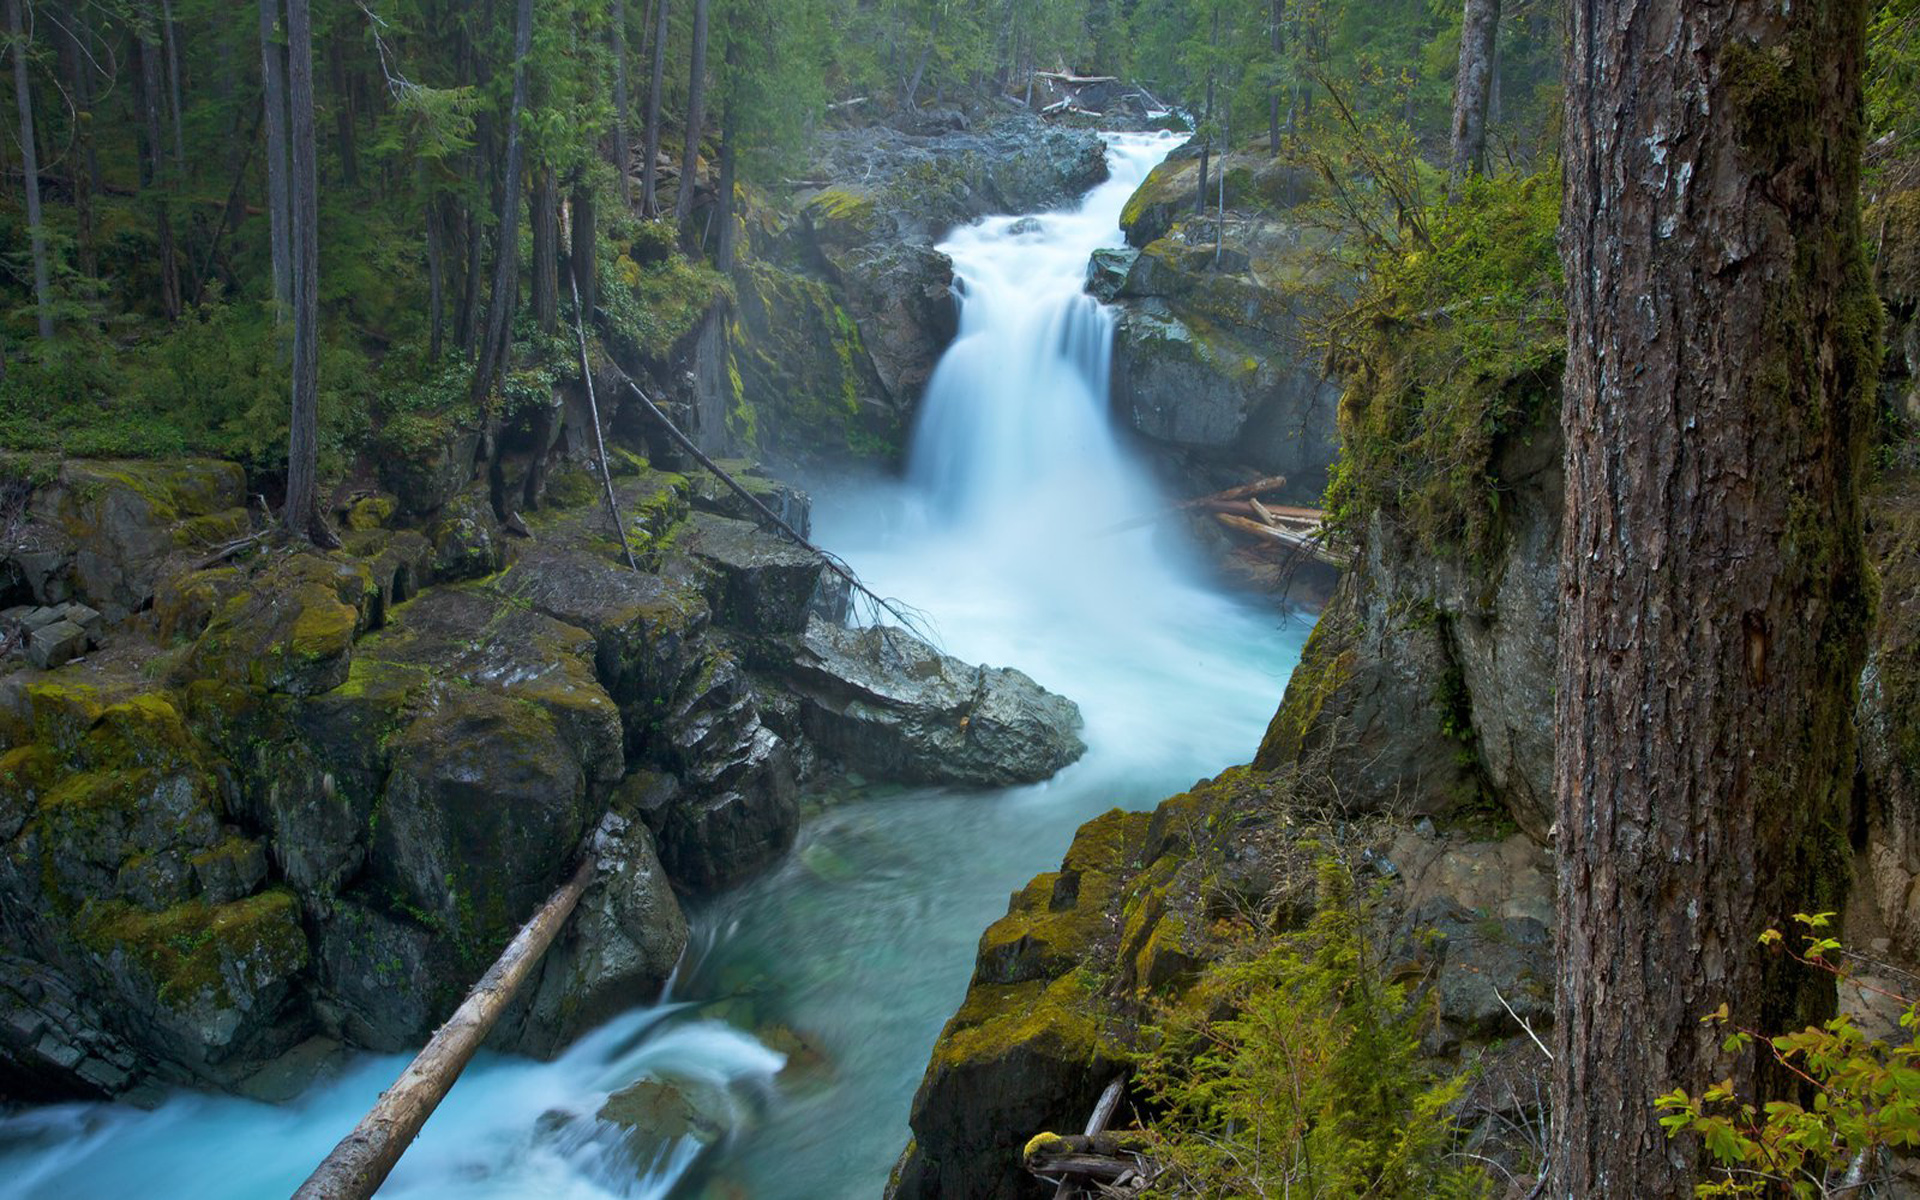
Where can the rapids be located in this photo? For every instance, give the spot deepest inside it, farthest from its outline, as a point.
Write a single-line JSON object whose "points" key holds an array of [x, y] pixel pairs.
{"points": [[861, 943]]}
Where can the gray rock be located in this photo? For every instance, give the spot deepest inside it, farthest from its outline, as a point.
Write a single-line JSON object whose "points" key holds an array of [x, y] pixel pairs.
{"points": [[466, 538], [55, 643], [760, 583], [1107, 271], [886, 703]]}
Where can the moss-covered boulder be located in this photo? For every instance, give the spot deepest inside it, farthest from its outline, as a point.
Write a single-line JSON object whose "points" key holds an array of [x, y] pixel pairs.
{"points": [[808, 385], [466, 538], [757, 582], [109, 531], [290, 628]]}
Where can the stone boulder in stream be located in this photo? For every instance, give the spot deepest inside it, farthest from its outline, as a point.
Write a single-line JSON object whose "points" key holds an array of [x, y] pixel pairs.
{"points": [[885, 702]]}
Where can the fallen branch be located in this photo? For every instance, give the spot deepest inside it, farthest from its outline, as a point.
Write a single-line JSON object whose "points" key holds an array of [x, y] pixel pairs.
{"points": [[593, 408], [1306, 543], [1103, 1111], [366, 1156], [1258, 487]]}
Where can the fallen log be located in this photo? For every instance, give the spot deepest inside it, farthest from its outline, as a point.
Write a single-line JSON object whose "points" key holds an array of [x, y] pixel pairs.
{"points": [[364, 1158], [1258, 487], [1305, 543], [1103, 1111]]}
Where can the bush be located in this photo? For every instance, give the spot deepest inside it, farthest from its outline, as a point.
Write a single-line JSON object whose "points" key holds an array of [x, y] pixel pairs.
{"points": [[1864, 1095], [1313, 1084]]}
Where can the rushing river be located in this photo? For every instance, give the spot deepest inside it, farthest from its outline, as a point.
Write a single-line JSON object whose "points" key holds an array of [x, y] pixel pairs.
{"points": [[861, 943]]}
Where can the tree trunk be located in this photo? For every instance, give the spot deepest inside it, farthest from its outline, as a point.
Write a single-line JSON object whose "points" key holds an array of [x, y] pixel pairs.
{"points": [[342, 112], [622, 154], [1472, 84], [467, 333], [301, 512], [543, 214], [583, 264], [1719, 389], [506, 259], [365, 1157], [168, 263], [273, 93], [729, 128], [1277, 42], [30, 169], [170, 37], [696, 113], [649, 203], [436, 277], [86, 172]]}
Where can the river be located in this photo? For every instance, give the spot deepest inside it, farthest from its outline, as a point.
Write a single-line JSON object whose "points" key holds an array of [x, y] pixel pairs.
{"points": [[860, 944]]}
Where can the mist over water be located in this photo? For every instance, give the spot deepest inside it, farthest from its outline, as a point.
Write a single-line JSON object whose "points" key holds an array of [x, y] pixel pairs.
{"points": [[862, 942]]}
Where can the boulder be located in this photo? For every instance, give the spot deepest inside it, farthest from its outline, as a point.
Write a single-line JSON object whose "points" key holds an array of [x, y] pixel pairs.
{"points": [[757, 582], [887, 704], [466, 538], [290, 628], [53, 644]]}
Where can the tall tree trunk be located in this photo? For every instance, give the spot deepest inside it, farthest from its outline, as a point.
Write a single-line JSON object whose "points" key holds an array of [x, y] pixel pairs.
{"points": [[1720, 367], [696, 113], [30, 169], [729, 130], [467, 333], [1472, 84], [342, 111], [170, 37], [436, 276], [622, 153], [273, 97], [649, 174], [86, 171], [543, 215], [920, 68], [164, 252], [301, 513], [583, 262], [506, 260], [1276, 42]]}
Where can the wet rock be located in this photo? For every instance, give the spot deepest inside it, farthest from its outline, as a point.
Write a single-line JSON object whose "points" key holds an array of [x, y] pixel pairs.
{"points": [[888, 704], [385, 979], [656, 1113], [1107, 272], [55, 1043], [618, 948], [423, 469], [759, 582], [466, 538]]}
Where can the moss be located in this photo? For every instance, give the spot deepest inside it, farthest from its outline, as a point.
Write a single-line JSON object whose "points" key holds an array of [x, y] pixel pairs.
{"points": [[1055, 1019], [371, 513], [197, 954], [1327, 662]]}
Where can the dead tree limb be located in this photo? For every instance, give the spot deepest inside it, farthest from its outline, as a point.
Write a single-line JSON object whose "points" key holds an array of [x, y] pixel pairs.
{"points": [[593, 409], [364, 1158], [1258, 487]]}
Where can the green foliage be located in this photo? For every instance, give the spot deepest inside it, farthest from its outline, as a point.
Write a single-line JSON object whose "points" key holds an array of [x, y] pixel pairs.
{"points": [[1865, 1096], [1313, 1083], [1453, 343]]}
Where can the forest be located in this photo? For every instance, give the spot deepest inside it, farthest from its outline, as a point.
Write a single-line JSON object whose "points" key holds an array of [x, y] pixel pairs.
{"points": [[611, 539]]}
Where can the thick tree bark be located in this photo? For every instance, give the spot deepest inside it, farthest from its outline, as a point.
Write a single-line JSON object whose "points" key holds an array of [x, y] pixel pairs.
{"points": [[1472, 85], [30, 169], [506, 259], [622, 154], [168, 260], [343, 112], [696, 113], [365, 1157], [170, 39], [467, 332], [543, 216], [1719, 382], [301, 513], [649, 173], [273, 97], [584, 268]]}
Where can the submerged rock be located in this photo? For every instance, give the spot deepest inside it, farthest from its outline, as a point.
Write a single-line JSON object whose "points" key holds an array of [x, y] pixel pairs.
{"points": [[888, 704]]}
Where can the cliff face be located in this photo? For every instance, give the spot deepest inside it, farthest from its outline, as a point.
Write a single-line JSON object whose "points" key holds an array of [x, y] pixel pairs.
{"points": [[1211, 365]]}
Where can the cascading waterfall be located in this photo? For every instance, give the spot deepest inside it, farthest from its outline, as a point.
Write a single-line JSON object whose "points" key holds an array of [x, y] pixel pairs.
{"points": [[861, 944]]}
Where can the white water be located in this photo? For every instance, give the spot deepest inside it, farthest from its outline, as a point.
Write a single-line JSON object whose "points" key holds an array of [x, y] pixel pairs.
{"points": [[863, 940]]}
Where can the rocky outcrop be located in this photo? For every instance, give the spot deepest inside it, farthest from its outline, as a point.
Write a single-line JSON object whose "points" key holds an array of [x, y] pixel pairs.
{"points": [[1210, 362], [310, 795], [889, 705]]}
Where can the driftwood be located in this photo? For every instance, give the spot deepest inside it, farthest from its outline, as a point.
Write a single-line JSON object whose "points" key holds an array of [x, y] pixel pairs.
{"points": [[1096, 1155], [1305, 542], [364, 1158], [1258, 487], [1072, 80]]}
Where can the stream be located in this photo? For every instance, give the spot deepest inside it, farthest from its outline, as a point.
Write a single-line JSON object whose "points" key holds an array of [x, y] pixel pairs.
{"points": [[848, 957]]}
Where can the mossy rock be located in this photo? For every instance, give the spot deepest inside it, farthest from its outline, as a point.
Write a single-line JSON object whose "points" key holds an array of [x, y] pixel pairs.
{"points": [[291, 629], [184, 604]]}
